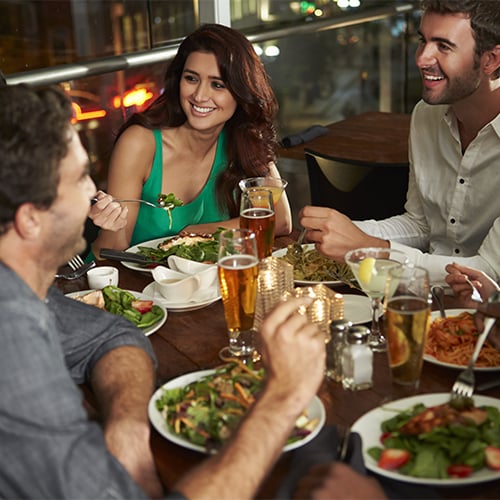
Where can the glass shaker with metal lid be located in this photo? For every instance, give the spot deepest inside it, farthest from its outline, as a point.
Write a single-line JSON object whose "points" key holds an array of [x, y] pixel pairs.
{"points": [[357, 360]]}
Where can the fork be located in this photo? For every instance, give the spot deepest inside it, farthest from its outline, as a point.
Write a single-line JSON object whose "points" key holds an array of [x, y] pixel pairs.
{"points": [[148, 203], [464, 384], [344, 445], [78, 267], [297, 246], [476, 296]]}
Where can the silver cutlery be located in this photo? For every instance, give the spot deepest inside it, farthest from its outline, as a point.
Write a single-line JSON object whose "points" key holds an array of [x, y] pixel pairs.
{"points": [[344, 445], [476, 296], [122, 255], [437, 292], [77, 270], [464, 384], [148, 203]]}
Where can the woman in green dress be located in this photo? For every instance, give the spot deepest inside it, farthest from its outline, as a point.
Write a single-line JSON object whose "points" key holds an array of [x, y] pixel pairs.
{"points": [[212, 126]]}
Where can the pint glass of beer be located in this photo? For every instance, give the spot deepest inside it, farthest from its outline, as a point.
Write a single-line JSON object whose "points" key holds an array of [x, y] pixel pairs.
{"points": [[257, 215], [238, 266], [407, 318]]}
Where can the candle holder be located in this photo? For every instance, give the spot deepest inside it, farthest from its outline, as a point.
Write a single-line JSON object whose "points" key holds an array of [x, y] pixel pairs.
{"points": [[275, 279]]}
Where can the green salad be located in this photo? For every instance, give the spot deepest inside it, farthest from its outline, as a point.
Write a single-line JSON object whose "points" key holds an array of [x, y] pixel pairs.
{"points": [[440, 442], [143, 313], [207, 412]]}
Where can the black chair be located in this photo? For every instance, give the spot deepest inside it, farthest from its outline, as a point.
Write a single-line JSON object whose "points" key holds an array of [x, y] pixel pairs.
{"points": [[359, 190]]}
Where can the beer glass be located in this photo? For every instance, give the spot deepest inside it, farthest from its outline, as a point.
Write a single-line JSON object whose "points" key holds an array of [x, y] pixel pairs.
{"points": [[257, 215], [407, 318], [238, 266]]}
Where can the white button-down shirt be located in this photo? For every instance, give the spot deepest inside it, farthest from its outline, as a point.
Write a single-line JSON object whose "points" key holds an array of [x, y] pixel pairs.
{"points": [[452, 212]]}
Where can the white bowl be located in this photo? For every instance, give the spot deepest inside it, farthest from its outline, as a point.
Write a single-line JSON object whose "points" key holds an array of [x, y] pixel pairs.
{"points": [[208, 277], [187, 266], [175, 286]]}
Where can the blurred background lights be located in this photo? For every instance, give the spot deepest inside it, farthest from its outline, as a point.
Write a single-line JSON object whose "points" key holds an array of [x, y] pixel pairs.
{"points": [[272, 51]]}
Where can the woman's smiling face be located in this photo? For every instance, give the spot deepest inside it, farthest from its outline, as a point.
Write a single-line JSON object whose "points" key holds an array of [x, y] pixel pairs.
{"points": [[204, 97]]}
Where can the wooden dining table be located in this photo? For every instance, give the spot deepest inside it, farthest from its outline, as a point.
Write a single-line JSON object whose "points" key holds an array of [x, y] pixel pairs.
{"points": [[190, 341], [374, 137]]}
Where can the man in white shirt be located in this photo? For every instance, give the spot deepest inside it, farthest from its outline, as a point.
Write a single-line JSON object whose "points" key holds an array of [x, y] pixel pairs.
{"points": [[452, 212]]}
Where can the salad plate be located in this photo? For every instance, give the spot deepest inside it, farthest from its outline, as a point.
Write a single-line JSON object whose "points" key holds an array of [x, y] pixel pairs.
{"points": [[140, 296], [201, 299], [431, 359], [369, 428], [315, 409], [281, 252]]}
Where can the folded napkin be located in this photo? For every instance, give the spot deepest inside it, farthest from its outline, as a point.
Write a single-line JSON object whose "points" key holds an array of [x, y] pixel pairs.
{"points": [[325, 447], [304, 136]]}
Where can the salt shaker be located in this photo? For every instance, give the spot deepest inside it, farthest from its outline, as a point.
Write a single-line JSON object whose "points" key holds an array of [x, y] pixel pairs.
{"points": [[334, 348], [357, 360]]}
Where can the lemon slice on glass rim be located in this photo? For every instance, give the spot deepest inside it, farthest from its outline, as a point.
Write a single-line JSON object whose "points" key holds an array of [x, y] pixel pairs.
{"points": [[367, 269]]}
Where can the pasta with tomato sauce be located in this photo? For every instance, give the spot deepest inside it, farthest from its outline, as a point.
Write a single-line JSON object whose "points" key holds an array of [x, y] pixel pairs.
{"points": [[452, 340]]}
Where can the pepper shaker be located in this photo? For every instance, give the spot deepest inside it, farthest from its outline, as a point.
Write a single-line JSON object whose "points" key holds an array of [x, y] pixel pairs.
{"points": [[357, 360], [334, 348]]}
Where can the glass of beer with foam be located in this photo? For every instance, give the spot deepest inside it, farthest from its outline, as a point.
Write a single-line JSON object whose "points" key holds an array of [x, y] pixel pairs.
{"points": [[238, 266]]}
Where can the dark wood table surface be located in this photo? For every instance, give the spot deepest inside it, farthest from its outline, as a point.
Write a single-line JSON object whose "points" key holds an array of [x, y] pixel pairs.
{"points": [[190, 341], [372, 137]]}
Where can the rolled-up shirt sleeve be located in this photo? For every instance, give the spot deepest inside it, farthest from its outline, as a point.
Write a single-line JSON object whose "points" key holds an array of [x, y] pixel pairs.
{"points": [[87, 333]]}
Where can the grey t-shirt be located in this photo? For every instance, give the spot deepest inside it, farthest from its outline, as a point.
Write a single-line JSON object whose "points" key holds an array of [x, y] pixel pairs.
{"points": [[49, 448]]}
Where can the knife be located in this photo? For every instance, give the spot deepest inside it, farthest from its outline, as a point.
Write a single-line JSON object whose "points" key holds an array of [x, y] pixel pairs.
{"points": [[109, 253]]}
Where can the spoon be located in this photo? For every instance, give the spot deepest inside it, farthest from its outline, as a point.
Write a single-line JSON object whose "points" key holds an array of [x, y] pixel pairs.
{"points": [[438, 294]]}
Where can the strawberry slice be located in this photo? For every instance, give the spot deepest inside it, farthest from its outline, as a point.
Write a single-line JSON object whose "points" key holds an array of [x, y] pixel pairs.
{"points": [[459, 470], [492, 455], [143, 306], [392, 458]]}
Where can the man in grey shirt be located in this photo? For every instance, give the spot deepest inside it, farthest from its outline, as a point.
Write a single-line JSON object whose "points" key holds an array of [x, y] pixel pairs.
{"points": [[50, 448]]}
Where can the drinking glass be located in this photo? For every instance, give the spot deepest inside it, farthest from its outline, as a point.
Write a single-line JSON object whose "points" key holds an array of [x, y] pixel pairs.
{"points": [[407, 317], [238, 266], [257, 215], [370, 267], [274, 184]]}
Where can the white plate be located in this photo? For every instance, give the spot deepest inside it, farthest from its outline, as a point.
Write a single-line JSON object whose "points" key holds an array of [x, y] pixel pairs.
{"points": [[140, 296], [202, 298], [368, 426], [135, 249], [308, 246], [434, 361], [358, 309], [315, 409]]}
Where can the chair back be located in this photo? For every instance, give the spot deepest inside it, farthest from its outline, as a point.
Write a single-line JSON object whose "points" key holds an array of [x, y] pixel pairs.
{"points": [[359, 190]]}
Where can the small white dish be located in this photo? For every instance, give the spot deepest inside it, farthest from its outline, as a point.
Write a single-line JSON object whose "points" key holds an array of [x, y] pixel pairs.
{"points": [[102, 276], [201, 299], [187, 266], [207, 273], [175, 286], [358, 309]]}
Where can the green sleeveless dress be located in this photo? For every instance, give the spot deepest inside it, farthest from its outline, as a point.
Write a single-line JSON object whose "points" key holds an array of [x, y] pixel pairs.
{"points": [[153, 223]]}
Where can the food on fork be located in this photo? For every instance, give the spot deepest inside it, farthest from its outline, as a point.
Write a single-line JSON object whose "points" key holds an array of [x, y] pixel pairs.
{"points": [[452, 340], [169, 202]]}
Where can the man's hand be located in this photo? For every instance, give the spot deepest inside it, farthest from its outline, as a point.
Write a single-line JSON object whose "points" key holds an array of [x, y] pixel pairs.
{"points": [[290, 341], [337, 481], [334, 233], [456, 278]]}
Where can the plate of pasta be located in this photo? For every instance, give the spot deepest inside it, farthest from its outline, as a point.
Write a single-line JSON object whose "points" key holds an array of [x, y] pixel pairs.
{"points": [[451, 340]]}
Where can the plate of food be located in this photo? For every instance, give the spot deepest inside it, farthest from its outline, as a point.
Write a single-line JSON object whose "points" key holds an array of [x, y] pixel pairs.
{"points": [[312, 268], [141, 309], [200, 410], [196, 247], [405, 441], [451, 340]]}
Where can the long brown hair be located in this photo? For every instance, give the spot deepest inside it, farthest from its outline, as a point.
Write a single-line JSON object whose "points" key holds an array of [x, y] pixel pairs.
{"points": [[251, 134]]}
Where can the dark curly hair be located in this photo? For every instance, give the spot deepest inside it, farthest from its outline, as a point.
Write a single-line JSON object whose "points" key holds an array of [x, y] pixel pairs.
{"points": [[34, 138], [251, 134], [484, 19]]}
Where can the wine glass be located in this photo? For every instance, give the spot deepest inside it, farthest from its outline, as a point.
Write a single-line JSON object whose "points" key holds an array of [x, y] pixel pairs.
{"points": [[370, 267], [257, 215], [274, 184], [238, 266]]}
